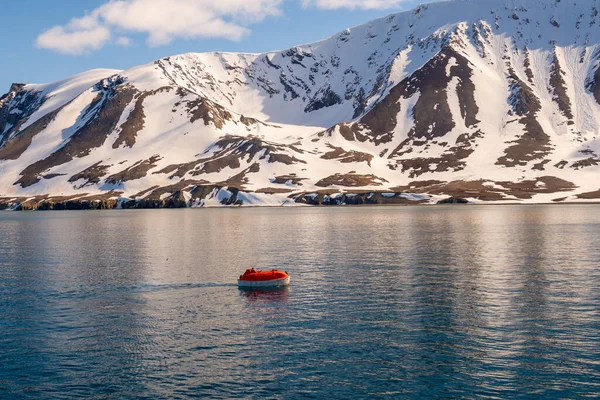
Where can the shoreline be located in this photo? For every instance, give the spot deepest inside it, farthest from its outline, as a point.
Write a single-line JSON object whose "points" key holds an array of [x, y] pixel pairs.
{"points": [[227, 197], [85, 206]]}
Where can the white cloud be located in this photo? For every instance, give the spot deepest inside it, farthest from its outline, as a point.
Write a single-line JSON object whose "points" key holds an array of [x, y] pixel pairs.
{"points": [[162, 20], [79, 36], [124, 41], [354, 4]]}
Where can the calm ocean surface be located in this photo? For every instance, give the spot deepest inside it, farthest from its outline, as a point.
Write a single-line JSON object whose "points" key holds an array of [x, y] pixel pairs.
{"points": [[385, 302]]}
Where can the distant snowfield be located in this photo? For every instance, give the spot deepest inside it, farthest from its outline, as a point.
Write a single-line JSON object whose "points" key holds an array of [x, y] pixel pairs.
{"points": [[495, 101]]}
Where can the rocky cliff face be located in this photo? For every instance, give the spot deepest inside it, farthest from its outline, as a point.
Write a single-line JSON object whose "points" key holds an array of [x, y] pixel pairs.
{"points": [[493, 100]]}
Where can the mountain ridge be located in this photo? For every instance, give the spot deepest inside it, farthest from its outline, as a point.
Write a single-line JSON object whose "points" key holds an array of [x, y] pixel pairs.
{"points": [[499, 97]]}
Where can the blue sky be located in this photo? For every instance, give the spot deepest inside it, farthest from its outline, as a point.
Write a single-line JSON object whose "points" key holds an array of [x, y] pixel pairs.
{"points": [[44, 41]]}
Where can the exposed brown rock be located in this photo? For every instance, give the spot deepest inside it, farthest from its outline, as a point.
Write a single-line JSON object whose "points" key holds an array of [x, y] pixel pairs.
{"points": [[415, 185], [431, 112], [458, 189], [588, 162], [217, 164], [270, 190], [540, 166], [144, 192], [465, 91], [253, 121], [104, 196], [561, 164], [203, 191], [92, 174], [545, 184], [239, 180], [232, 150], [452, 159], [351, 180], [559, 89], [347, 156], [207, 166], [349, 132], [157, 193], [534, 144], [202, 108], [179, 169], [15, 147], [248, 121], [527, 65], [291, 178], [432, 115], [483, 189], [136, 119], [52, 176], [594, 84], [134, 123], [284, 159], [136, 171], [589, 195], [16, 107]]}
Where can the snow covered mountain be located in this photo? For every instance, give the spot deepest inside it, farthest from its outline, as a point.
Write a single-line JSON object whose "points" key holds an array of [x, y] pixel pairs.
{"points": [[485, 100]]}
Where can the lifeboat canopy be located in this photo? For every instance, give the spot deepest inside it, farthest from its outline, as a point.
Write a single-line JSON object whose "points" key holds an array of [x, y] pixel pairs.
{"points": [[260, 279]]}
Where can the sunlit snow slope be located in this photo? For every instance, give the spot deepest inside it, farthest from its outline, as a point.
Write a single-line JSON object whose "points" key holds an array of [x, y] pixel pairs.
{"points": [[485, 100]]}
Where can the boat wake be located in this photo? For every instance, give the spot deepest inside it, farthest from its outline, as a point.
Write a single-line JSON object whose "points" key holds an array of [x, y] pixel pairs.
{"points": [[182, 286]]}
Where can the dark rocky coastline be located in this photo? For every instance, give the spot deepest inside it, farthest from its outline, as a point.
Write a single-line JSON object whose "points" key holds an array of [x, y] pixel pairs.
{"points": [[178, 199]]}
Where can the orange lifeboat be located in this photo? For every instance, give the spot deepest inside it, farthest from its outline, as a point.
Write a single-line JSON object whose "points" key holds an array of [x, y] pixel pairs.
{"points": [[262, 279]]}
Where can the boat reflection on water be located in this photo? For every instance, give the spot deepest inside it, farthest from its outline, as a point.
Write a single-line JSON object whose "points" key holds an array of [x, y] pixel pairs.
{"points": [[266, 294]]}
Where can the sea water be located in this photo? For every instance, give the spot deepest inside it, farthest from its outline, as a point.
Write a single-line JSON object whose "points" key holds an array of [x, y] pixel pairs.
{"points": [[385, 302]]}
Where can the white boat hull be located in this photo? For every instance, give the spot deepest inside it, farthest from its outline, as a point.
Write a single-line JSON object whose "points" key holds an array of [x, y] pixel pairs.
{"points": [[274, 283]]}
